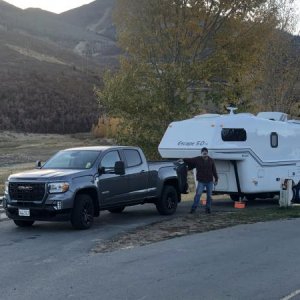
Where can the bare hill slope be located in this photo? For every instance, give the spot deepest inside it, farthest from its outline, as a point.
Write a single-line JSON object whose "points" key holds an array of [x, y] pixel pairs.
{"points": [[49, 66]]}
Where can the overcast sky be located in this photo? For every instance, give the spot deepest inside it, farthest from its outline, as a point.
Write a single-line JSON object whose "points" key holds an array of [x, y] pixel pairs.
{"points": [[56, 6], [59, 6]]}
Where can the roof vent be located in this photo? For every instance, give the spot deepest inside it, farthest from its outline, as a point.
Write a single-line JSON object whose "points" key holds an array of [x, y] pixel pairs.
{"points": [[231, 109], [273, 116]]}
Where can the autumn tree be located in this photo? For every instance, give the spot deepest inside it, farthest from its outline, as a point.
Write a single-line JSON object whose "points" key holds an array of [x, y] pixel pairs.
{"points": [[179, 54], [280, 68], [279, 89]]}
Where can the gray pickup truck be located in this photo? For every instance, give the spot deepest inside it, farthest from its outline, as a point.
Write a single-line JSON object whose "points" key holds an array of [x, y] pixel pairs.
{"points": [[76, 184]]}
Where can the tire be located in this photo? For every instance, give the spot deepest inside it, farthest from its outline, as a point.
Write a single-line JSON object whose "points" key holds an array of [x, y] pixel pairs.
{"points": [[83, 212], [23, 223], [234, 197], [117, 210], [251, 197], [167, 203], [296, 196]]}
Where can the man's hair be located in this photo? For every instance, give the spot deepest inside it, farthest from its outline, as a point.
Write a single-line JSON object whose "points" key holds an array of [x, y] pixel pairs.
{"points": [[204, 150]]}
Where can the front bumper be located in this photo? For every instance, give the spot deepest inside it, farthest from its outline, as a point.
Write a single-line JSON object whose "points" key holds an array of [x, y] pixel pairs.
{"points": [[41, 211], [47, 213]]}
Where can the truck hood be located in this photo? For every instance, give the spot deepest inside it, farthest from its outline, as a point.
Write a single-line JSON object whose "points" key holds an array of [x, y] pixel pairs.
{"points": [[47, 174]]}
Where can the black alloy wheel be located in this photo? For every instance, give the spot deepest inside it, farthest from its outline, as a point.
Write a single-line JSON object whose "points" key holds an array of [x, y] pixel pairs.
{"points": [[167, 203], [83, 212]]}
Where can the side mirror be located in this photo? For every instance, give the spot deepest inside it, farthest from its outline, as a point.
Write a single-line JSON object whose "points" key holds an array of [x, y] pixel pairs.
{"points": [[119, 168], [101, 170], [38, 164]]}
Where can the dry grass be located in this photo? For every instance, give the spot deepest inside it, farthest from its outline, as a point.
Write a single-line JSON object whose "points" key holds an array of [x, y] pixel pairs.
{"points": [[6, 171], [19, 151]]}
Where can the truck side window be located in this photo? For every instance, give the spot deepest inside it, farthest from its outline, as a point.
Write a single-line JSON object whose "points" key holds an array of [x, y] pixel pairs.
{"points": [[234, 135], [274, 140], [133, 158], [109, 159]]}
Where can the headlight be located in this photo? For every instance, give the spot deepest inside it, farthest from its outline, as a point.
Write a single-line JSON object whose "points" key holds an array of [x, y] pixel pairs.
{"points": [[6, 187], [58, 187]]}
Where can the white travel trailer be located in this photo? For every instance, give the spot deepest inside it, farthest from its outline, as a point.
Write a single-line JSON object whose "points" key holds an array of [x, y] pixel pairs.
{"points": [[253, 154]]}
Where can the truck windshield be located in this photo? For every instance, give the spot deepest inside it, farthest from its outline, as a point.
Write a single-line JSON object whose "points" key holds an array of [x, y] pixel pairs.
{"points": [[73, 159]]}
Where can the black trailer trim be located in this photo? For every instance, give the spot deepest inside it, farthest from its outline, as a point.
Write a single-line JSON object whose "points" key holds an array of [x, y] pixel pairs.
{"points": [[236, 173]]}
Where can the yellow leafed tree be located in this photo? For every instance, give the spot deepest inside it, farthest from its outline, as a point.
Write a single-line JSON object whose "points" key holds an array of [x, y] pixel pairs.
{"points": [[179, 54]]}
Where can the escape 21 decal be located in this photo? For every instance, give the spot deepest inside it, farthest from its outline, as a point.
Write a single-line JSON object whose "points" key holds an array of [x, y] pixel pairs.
{"points": [[192, 144]]}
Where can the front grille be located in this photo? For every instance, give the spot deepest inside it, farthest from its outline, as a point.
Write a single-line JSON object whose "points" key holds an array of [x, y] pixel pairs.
{"points": [[24, 191]]}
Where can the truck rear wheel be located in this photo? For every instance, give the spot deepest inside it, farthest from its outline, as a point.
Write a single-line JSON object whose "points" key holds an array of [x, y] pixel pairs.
{"points": [[167, 203], [23, 223], [83, 212]]}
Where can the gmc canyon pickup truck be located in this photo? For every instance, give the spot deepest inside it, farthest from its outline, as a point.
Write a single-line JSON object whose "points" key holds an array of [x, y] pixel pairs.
{"points": [[76, 184]]}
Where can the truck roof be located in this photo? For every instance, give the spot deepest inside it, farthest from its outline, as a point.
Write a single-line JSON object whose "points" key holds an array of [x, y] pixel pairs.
{"points": [[98, 148]]}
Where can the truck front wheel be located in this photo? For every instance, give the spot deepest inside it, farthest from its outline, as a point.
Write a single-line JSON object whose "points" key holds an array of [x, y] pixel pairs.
{"points": [[23, 223], [167, 203], [83, 212]]}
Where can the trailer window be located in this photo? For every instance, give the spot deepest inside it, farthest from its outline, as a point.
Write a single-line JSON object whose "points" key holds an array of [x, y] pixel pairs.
{"points": [[234, 135], [274, 140]]}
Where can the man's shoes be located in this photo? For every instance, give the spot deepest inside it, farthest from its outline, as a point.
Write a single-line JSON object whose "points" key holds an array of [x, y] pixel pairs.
{"points": [[192, 210], [207, 210]]}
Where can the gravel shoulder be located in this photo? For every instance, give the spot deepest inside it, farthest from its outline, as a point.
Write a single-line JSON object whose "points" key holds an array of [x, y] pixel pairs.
{"points": [[182, 225]]}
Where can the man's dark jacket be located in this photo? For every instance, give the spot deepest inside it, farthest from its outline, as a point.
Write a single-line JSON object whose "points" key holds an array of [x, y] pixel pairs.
{"points": [[206, 169]]}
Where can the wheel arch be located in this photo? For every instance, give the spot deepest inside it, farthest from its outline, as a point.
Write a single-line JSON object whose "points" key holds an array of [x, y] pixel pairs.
{"points": [[92, 192], [173, 182]]}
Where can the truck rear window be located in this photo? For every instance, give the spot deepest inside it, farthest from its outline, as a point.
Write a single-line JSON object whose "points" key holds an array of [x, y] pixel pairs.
{"points": [[133, 158]]}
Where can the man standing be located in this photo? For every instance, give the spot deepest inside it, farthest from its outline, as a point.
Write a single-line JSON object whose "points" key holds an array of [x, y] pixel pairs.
{"points": [[206, 176]]}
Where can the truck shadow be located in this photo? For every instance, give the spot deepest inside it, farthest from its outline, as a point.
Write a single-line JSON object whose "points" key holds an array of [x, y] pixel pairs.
{"points": [[133, 217]]}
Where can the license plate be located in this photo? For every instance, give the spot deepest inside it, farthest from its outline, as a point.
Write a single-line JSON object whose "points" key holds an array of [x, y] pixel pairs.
{"points": [[24, 212]]}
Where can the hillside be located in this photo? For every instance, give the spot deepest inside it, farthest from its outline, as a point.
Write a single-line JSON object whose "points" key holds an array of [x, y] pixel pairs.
{"points": [[44, 88], [94, 17], [49, 66]]}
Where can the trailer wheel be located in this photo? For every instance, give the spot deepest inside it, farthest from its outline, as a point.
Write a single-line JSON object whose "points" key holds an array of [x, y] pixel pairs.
{"points": [[167, 203], [251, 197], [296, 194], [234, 197]]}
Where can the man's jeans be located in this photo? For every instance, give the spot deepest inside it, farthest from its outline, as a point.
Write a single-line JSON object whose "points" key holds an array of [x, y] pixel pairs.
{"points": [[199, 191]]}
